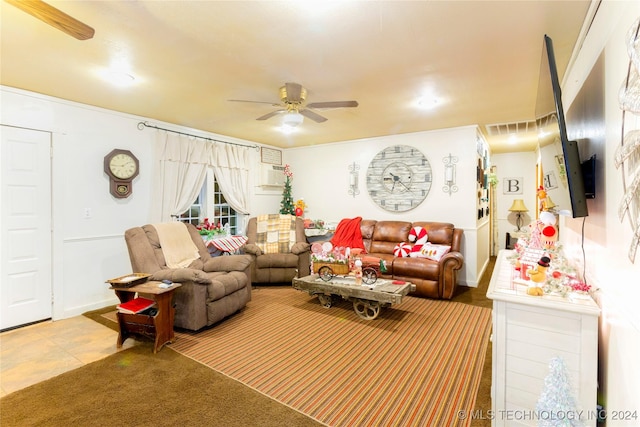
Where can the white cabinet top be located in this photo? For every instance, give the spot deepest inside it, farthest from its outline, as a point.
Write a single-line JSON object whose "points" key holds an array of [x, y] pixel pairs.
{"points": [[503, 288]]}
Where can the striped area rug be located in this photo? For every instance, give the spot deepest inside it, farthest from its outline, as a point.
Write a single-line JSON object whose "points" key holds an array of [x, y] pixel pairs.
{"points": [[418, 364]]}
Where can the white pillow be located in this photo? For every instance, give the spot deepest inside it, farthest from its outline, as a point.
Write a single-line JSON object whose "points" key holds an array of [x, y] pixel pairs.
{"points": [[433, 252]]}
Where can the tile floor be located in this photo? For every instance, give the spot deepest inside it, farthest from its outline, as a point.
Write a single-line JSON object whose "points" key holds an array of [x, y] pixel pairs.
{"points": [[37, 352]]}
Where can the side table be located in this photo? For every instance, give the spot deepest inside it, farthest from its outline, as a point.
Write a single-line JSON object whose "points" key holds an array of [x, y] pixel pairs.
{"points": [[225, 245], [158, 327]]}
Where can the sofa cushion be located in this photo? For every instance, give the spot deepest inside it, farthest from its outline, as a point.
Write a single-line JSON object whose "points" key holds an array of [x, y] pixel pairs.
{"points": [[225, 284], [276, 260], [402, 249], [387, 234], [416, 267], [440, 233], [227, 263], [434, 252], [419, 236]]}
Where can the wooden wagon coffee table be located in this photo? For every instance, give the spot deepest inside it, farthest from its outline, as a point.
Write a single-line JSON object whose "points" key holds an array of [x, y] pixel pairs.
{"points": [[367, 300]]}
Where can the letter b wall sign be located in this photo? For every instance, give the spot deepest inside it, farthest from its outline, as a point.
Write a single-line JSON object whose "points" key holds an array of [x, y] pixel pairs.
{"points": [[512, 186]]}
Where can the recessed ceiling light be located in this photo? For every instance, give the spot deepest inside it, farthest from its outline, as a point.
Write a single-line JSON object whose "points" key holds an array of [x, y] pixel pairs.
{"points": [[120, 78], [427, 103]]}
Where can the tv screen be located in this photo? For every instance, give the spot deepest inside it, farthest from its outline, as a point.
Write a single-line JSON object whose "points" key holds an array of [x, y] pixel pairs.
{"points": [[559, 157]]}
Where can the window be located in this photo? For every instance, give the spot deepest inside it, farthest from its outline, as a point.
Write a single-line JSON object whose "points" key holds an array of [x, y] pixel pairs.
{"points": [[222, 212], [194, 215], [211, 204]]}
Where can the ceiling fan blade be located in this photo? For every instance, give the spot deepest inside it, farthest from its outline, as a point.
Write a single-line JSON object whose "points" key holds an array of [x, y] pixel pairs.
{"points": [[313, 116], [54, 17], [254, 102], [294, 90], [333, 104], [271, 114]]}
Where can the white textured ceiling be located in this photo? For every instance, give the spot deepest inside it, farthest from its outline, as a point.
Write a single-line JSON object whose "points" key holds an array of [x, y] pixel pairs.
{"points": [[479, 59]]}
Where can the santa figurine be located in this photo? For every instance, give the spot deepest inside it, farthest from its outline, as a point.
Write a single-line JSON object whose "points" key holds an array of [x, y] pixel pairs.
{"points": [[357, 271]]}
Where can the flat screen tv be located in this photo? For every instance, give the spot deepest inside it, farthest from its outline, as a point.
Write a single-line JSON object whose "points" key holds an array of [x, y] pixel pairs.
{"points": [[589, 176], [559, 157]]}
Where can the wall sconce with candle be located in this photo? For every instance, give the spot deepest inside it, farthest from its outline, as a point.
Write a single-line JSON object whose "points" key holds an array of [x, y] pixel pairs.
{"points": [[450, 174], [353, 179]]}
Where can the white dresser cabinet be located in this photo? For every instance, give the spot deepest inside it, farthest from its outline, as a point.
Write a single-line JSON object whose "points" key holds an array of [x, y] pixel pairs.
{"points": [[528, 331]]}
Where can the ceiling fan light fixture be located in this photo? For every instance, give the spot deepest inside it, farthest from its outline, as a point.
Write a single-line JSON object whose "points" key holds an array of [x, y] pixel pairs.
{"points": [[292, 119]]}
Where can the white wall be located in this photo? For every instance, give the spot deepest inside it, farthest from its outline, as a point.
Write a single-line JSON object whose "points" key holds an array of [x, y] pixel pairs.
{"points": [[514, 165], [607, 239], [88, 251], [321, 178]]}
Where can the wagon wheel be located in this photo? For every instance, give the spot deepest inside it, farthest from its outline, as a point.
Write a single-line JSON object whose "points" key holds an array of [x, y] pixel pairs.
{"points": [[325, 273], [369, 275], [325, 300], [367, 310]]}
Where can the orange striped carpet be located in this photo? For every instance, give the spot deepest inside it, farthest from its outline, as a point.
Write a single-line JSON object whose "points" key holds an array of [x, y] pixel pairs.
{"points": [[418, 364]]}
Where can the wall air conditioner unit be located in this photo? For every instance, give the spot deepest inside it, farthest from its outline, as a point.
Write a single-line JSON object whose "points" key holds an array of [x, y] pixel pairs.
{"points": [[271, 175]]}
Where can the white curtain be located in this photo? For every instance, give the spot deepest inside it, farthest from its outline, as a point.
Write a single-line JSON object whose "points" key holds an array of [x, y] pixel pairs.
{"points": [[182, 169], [231, 169]]}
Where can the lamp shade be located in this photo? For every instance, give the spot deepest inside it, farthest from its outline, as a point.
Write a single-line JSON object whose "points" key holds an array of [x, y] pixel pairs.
{"points": [[548, 204], [292, 119], [518, 206]]}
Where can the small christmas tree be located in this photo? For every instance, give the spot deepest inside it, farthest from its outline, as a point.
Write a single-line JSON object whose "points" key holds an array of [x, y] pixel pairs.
{"points": [[556, 405], [286, 205]]}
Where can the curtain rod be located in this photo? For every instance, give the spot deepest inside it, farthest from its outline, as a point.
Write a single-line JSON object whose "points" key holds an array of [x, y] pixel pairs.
{"points": [[143, 125]]}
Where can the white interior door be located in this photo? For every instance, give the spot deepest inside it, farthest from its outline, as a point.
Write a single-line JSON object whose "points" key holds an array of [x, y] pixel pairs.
{"points": [[25, 226]]}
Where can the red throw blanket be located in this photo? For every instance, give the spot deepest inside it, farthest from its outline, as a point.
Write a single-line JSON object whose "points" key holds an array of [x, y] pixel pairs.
{"points": [[348, 234]]}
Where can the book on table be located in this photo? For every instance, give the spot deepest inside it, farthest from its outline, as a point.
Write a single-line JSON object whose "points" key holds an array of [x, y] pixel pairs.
{"points": [[136, 305]]}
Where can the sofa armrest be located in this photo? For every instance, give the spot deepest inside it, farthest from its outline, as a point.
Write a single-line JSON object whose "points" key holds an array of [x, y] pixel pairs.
{"points": [[228, 263], [190, 301], [449, 266], [300, 248], [181, 275], [252, 248]]}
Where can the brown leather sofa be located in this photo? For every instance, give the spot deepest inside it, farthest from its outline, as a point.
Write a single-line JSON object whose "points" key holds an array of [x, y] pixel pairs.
{"points": [[212, 287], [432, 279]]}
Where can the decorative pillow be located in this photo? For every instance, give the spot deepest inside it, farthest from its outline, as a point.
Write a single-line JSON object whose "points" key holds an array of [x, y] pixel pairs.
{"points": [[402, 250], [433, 252], [418, 236]]}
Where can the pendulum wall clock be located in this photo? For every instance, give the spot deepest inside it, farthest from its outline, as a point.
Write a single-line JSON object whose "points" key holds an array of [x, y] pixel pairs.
{"points": [[122, 167]]}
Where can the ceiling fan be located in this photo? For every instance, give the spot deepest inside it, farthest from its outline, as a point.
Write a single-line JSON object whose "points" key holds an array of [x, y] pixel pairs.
{"points": [[54, 17], [293, 97]]}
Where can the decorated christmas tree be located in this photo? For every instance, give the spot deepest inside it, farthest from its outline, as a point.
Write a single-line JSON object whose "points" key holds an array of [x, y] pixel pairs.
{"points": [[286, 205], [556, 405]]}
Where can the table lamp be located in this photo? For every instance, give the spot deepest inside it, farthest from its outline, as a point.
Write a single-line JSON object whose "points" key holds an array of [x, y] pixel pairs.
{"points": [[518, 207]]}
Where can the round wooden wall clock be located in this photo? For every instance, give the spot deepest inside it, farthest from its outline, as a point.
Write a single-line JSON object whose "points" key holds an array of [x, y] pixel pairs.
{"points": [[121, 166], [399, 178]]}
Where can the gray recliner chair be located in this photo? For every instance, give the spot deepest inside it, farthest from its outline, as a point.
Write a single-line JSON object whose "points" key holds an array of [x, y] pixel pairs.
{"points": [[283, 266], [212, 287]]}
